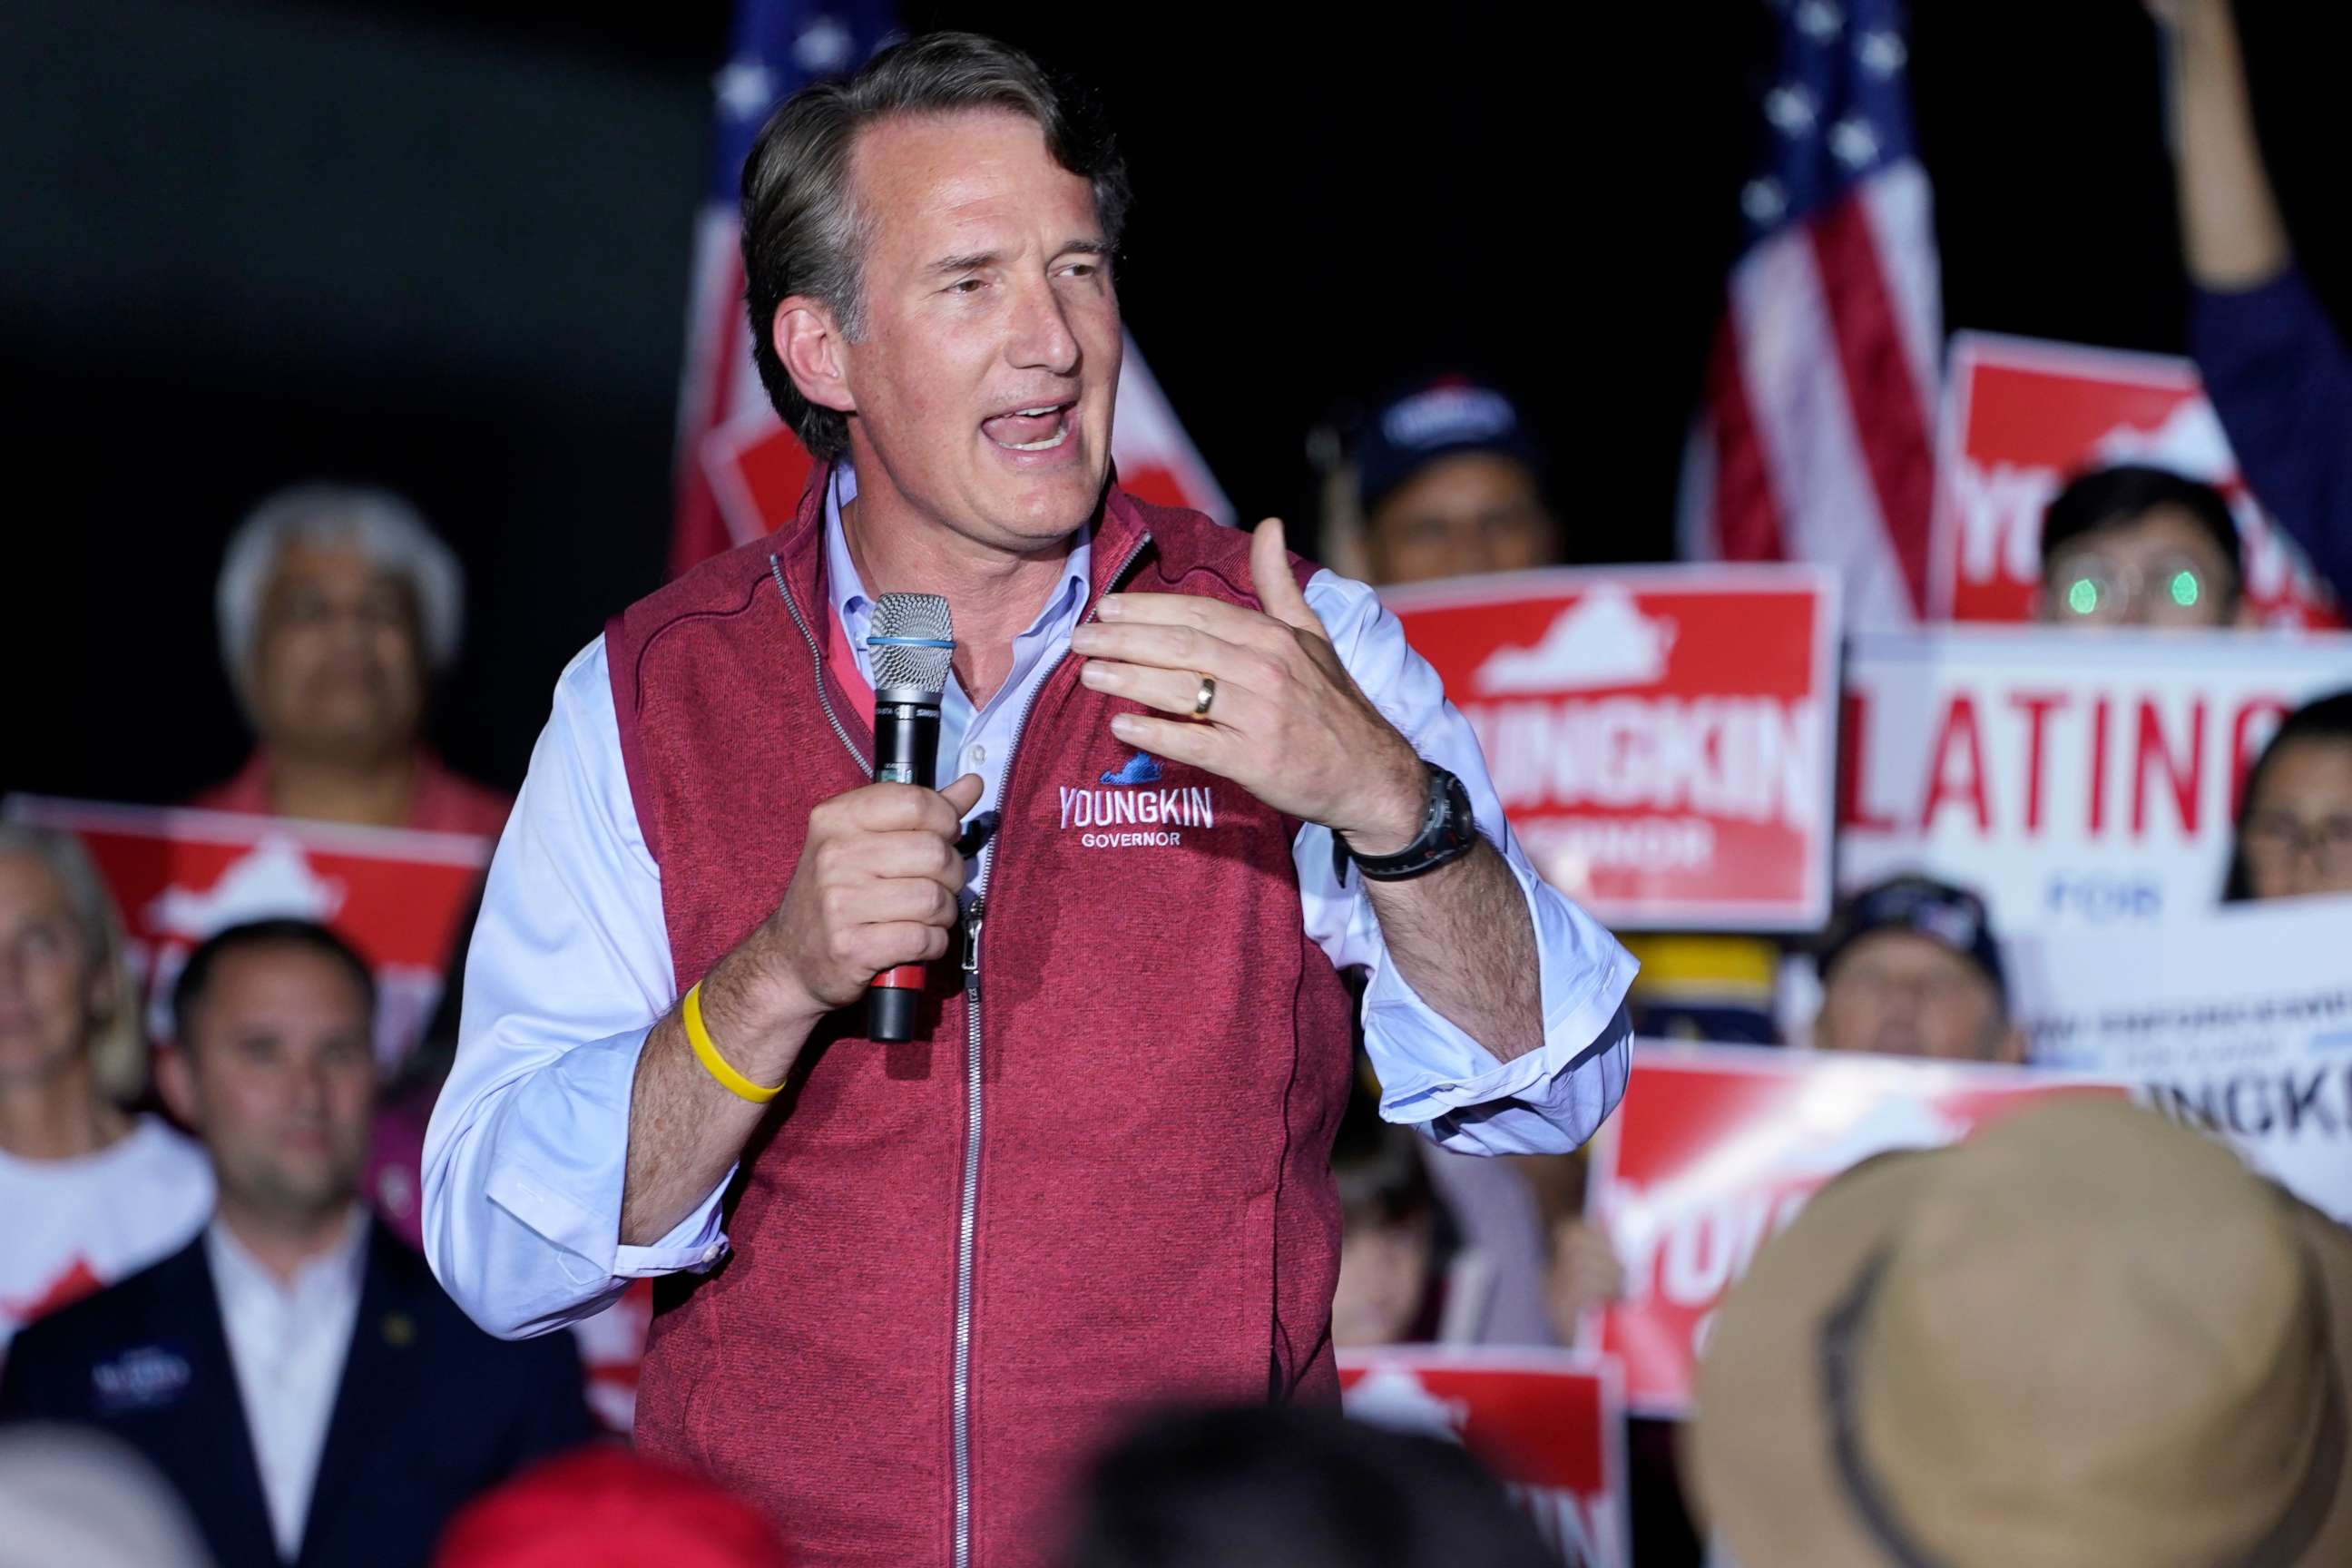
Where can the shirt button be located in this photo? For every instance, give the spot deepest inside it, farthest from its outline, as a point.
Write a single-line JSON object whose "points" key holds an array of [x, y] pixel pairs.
{"points": [[978, 754]]}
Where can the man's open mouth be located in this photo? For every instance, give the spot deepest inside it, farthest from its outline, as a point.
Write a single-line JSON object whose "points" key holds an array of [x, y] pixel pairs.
{"points": [[1038, 428]]}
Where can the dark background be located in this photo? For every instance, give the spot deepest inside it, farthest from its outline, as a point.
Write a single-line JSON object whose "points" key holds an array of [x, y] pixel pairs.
{"points": [[442, 245]]}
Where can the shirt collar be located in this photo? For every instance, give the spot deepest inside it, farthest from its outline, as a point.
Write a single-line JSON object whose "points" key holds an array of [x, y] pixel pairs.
{"points": [[857, 610], [239, 1275]]}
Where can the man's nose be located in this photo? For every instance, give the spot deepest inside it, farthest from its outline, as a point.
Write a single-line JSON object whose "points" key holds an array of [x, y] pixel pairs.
{"points": [[308, 1090], [1042, 338]]}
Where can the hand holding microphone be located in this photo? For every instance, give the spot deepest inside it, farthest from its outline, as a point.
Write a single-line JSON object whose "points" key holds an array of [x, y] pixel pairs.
{"points": [[875, 895], [910, 647]]}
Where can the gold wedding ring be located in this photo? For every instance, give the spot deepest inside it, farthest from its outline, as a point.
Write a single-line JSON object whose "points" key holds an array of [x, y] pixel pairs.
{"points": [[1202, 697]]}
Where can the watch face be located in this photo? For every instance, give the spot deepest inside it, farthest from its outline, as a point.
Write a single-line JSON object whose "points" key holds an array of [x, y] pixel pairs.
{"points": [[1461, 821]]}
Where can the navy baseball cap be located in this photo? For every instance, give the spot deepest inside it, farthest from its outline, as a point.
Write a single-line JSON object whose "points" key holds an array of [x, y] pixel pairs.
{"points": [[1921, 906], [1436, 419]]}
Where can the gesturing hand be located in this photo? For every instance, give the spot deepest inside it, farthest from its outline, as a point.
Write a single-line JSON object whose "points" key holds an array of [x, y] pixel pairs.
{"points": [[876, 886], [1286, 723]]}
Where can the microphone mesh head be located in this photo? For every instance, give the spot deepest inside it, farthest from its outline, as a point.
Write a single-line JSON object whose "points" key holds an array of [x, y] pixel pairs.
{"points": [[899, 667]]}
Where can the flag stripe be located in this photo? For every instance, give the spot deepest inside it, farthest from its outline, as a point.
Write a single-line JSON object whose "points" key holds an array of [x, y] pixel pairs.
{"points": [[1880, 385], [1746, 519], [1832, 325], [1903, 224], [1795, 385]]}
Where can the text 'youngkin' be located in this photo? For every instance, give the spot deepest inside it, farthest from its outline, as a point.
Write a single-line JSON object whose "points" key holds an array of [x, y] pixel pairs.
{"points": [[1189, 807]]}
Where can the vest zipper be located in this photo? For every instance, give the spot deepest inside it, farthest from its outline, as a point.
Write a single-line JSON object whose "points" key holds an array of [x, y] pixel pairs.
{"points": [[968, 1213], [816, 658]]}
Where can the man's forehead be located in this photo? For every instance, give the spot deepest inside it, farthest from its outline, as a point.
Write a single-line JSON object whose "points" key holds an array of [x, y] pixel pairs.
{"points": [[276, 974], [2164, 527], [330, 555], [945, 183], [1897, 948]]}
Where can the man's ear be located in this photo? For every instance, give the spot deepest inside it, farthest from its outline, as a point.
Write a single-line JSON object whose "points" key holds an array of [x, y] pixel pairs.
{"points": [[175, 1080], [809, 342]]}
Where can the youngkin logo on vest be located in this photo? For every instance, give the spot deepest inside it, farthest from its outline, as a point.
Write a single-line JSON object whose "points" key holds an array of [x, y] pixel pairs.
{"points": [[1160, 815]]}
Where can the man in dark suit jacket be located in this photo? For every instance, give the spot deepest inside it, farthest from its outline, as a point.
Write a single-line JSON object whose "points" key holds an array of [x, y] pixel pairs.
{"points": [[295, 1370]]}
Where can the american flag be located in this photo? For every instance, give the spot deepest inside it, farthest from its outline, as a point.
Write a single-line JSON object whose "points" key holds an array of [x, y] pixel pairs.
{"points": [[739, 471], [1814, 441]]}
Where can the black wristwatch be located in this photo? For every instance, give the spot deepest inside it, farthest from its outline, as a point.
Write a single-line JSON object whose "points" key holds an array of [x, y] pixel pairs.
{"points": [[1449, 830]]}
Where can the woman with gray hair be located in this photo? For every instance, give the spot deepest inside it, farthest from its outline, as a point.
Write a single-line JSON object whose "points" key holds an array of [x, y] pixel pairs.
{"points": [[337, 607], [88, 1192]]}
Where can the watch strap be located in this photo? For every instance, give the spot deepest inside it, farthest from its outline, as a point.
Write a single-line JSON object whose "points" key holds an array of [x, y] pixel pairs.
{"points": [[1448, 832]]}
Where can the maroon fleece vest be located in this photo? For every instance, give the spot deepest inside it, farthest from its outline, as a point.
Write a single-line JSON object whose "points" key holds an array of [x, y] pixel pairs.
{"points": [[1162, 1056]]}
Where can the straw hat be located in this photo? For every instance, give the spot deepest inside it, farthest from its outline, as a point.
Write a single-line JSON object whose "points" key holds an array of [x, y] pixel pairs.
{"points": [[2084, 1337]]}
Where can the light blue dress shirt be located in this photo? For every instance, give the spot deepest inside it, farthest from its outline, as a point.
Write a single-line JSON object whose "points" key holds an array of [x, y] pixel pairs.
{"points": [[570, 969]]}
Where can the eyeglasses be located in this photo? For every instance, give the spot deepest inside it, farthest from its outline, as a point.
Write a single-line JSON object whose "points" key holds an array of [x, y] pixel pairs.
{"points": [[2276, 840], [2168, 588]]}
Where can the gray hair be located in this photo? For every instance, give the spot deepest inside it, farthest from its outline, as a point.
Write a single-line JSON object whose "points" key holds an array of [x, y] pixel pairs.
{"points": [[118, 1046], [386, 527], [802, 232]]}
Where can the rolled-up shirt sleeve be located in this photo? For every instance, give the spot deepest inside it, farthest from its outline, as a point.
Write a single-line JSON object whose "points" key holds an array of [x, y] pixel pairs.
{"points": [[1434, 1076], [569, 969]]}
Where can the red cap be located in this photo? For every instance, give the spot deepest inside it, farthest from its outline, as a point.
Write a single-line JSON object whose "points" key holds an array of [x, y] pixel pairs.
{"points": [[607, 1507]]}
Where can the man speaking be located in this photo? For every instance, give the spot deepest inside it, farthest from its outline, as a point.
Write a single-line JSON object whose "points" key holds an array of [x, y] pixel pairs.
{"points": [[908, 1285]]}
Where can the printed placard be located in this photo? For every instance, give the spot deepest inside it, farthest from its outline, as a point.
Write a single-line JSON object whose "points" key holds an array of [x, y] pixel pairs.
{"points": [[1660, 736], [2074, 778], [1551, 1424], [1716, 1148], [2022, 416], [2239, 1024], [178, 876]]}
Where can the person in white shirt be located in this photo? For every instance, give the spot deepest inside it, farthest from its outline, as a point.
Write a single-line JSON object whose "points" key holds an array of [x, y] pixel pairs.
{"points": [[295, 1371], [89, 1193]]}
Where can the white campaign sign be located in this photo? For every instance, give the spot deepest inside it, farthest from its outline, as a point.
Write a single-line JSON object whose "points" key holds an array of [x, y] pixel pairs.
{"points": [[2075, 779], [2239, 1023]]}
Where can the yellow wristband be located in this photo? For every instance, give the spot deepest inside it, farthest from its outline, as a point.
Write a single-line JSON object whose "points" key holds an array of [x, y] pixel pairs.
{"points": [[706, 1052]]}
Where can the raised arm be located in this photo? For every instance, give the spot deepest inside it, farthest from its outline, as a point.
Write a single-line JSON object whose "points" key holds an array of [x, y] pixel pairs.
{"points": [[1492, 1011], [2231, 229]]}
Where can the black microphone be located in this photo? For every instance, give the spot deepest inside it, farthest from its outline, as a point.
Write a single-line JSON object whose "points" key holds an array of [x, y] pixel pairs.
{"points": [[911, 644]]}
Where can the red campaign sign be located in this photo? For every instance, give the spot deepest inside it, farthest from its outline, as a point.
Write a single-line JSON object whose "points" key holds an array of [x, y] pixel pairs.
{"points": [[1716, 1148], [1551, 1424], [178, 876], [1660, 736], [2021, 416]]}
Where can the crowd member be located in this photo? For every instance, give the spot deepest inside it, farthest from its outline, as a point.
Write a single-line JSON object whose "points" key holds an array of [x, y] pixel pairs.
{"points": [[2139, 546], [295, 1371], [954, 1258], [608, 1507], [1302, 1488], [89, 1191], [1449, 483], [82, 1499], [2086, 1335], [2273, 363], [1910, 968], [1389, 1255], [2294, 817], [337, 607]]}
